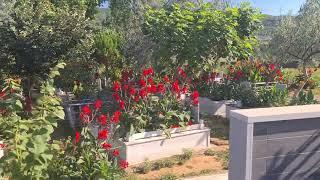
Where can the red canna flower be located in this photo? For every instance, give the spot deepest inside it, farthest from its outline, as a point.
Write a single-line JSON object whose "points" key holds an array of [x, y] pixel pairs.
{"points": [[184, 90], [161, 88], [153, 89], [132, 91], [125, 87], [150, 81], [272, 67], [106, 146], [116, 152], [150, 71], [175, 126], [116, 117], [175, 87], [102, 120], [142, 83], [190, 123], [121, 104], [103, 134], [77, 137], [116, 96], [116, 86], [278, 72], [86, 110], [195, 98], [98, 104], [166, 79], [145, 72], [123, 164], [136, 99], [143, 93]]}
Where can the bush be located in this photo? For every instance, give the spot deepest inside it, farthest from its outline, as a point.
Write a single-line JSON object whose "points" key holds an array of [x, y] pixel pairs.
{"points": [[146, 167]]}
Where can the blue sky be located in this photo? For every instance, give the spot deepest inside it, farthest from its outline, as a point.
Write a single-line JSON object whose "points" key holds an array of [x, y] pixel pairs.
{"points": [[274, 7]]}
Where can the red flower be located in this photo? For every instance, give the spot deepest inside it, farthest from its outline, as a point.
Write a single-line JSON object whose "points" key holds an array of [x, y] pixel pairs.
{"points": [[116, 117], [150, 71], [175, 87], [280, 78], [103, 134], [77, 138], [2, 146], [184, 90], [150, 80], [116, 96], [123, 164], [125, 87], [102, 119], [86, 110], [136, 99], [143, 93], [98, 104], [142, 83], [272, 67], [132, 91], [121, 104], [106, 146], [166, 79], [116, 86], [152, 89], [195, 98], [145, 72], [116, 152], [278, 72], [175, 126], [161, 88], [190, 123]]}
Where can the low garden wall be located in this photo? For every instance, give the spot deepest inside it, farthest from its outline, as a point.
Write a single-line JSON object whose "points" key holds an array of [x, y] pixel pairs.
{"points": [[156, 145], [275, 143]]}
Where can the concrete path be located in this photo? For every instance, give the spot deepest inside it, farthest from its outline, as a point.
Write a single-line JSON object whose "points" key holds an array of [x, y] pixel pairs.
{"points": [[210, 177]]}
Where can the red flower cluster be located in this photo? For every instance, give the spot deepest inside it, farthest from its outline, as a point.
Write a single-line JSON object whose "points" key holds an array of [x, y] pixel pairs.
{"points": [[77, 137], [116, 152], [103, 134], [98, 104], [148, 71], [116, 117], [195, 98], [102, 120], [2, 146], [106, 146], [123, 164]]}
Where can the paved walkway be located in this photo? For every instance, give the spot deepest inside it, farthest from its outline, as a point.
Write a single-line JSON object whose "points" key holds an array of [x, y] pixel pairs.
{"points": [[210, 177]]}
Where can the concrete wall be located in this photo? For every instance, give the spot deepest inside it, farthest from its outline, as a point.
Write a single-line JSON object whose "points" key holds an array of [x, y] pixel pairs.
{"points": [[275, 143]]}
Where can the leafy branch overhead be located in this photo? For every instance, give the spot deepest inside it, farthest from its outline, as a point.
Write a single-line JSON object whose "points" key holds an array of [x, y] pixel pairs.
{"points": [[201, 34]]}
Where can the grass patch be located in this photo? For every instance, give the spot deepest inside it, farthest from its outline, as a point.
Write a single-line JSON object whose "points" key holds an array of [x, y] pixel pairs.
{"points": [[169, 177], [222, 156], [167, 163], [183, 158]]}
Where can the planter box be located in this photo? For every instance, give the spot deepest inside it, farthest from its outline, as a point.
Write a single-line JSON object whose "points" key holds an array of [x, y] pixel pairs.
{"points": [[218, 108], [280, 143], [155, 145]]}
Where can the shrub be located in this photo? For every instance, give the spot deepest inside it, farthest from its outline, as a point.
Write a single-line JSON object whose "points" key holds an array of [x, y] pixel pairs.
{"points": [[210, 152], [146, 167], [149, 102]]}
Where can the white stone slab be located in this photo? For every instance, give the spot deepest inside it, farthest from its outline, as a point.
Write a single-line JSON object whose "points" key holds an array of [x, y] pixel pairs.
{"points": [[154, 148], [276, 113]]}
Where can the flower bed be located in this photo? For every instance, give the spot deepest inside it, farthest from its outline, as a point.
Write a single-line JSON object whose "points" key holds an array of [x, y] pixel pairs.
{"points": [[154, 147]]}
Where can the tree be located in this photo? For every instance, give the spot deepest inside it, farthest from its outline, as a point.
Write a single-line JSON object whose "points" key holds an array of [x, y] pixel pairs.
{"points": [[200, 35], [38, 34], [298, 37]]}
